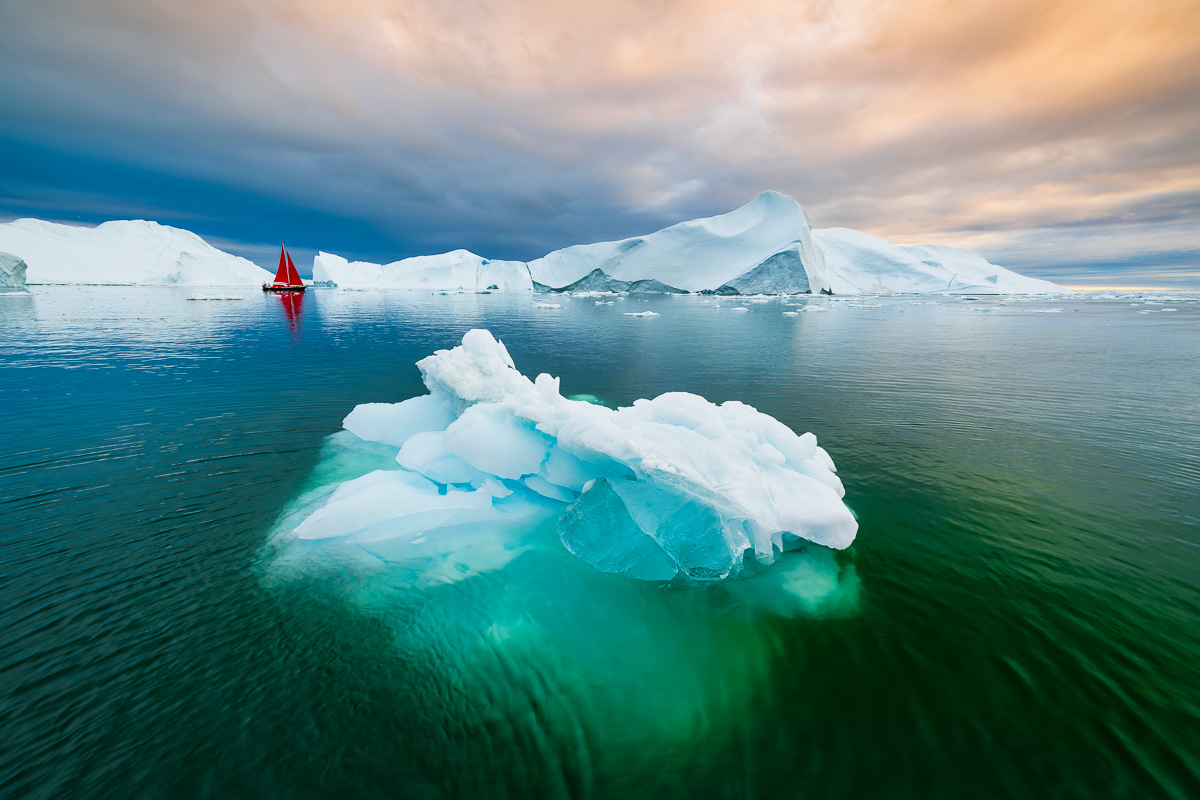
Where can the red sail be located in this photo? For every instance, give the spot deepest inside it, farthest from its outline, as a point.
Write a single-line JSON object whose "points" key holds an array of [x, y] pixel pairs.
{"points": [[281, 274], [293, 277]]}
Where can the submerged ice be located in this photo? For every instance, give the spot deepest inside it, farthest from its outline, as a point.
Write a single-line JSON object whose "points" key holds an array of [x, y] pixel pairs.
{"points": [[671, 486]]}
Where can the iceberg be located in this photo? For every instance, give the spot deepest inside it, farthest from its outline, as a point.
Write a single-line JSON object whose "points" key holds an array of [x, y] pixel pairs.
{"points": [[858, 263], [12, 272], [453, 271], [128, 252], [766, 245], [670, 487]]}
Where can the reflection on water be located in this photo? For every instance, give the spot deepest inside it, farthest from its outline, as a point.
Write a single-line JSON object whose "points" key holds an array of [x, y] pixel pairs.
{"points": [[1019, 615], [293, 306]]}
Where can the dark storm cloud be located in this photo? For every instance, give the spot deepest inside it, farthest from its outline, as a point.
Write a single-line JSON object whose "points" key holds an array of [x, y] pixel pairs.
{"points": [[1038, 134]]}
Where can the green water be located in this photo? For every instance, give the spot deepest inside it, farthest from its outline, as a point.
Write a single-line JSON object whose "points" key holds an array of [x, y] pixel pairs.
{"points": [[1018, 617]]}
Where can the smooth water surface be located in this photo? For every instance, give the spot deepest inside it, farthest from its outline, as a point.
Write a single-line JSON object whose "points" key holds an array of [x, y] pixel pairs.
{"points": [[1022, 619]]}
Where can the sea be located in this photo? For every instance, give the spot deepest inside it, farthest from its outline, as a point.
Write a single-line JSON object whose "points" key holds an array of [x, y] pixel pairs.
{"points": [[1019, 616]]}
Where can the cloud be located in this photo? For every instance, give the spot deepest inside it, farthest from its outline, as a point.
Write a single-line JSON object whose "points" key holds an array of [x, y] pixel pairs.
{"points": [[1037, 133]]}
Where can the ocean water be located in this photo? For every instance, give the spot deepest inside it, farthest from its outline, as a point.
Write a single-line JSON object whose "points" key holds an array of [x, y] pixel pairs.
{"points": [[1019, 617]]}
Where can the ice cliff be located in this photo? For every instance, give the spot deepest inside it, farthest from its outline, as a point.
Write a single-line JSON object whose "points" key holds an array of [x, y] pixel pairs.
{"points": [[12, 272], [667, 487], [129, 252]]}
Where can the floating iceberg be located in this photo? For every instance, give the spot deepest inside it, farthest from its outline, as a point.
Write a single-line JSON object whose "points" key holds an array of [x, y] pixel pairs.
{"points": [[767, 246], [764, 246], [133, 252], [12, 272], [456, 270], [667, 487], [858, 263]]}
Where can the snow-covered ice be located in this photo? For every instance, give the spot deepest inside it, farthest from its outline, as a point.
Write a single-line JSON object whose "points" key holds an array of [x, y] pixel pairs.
{"points": [[669, 486], [456, 270], [129, 252], [766, 246], [858, 263]]}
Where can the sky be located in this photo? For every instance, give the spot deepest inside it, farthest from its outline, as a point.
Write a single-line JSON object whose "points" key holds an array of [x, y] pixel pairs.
{"points": [[1060, 139]]}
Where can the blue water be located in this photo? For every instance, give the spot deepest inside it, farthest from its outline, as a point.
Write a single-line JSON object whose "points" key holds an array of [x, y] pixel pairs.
{"points": [[1022, 620]]}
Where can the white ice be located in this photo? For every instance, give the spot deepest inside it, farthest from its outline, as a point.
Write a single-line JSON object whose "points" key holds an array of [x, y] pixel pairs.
{"points": [[858, 263], [129, 252], [667, 486], [698, 254], [456, 270], [766, 247]]}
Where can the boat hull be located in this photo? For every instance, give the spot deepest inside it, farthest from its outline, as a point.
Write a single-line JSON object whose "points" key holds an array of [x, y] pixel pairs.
{"points": [[270, 288]]}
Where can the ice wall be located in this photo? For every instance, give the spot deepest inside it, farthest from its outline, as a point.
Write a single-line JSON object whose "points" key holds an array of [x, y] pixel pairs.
{"points": [[669, 486], [12, 272]]}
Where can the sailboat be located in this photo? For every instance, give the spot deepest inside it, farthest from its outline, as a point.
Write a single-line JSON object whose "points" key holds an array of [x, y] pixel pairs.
{"points": [[286, 277]]}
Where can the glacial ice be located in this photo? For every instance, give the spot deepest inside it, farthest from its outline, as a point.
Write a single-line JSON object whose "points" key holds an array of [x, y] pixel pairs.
{"points": [[670, 486], [702, 254], [858, 263], [124, 253], [12, 272], [453, 271], [767, 246]]}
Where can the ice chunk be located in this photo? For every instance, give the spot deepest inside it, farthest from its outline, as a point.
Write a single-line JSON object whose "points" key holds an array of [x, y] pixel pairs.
{"points": [[393, 423], [497, 443], [547, 489], [386, 504], [673, 485], [563, 469], [600, 529], [428, 454], [12, 272]]}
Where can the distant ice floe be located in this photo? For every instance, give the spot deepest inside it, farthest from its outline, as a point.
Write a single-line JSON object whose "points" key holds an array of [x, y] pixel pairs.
{"points": [[670, 487]]}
